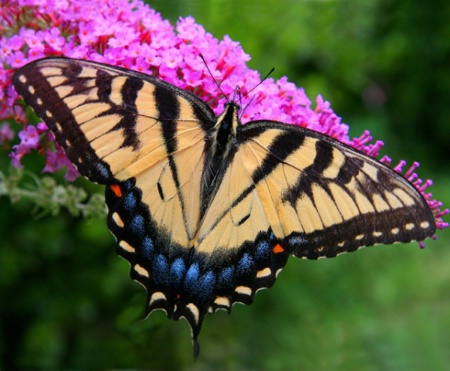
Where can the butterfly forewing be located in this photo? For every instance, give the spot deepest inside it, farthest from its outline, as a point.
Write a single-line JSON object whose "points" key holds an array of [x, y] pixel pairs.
{"points": [[318, 196], [115, 125]]}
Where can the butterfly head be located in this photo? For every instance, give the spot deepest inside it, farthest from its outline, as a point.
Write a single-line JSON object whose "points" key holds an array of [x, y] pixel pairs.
{"points": [[228, 121]]}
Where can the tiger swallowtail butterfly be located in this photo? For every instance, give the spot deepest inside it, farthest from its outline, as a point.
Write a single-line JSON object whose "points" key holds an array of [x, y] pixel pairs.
{"points": [[207, 210]]}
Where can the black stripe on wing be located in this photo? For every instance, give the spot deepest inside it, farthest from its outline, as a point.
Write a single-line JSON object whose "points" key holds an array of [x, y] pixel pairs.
{"points": [[45, 101], [359, 177]]}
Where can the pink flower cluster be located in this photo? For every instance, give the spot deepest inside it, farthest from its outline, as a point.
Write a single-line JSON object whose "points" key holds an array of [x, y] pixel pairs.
{"points": [[132, 35]]}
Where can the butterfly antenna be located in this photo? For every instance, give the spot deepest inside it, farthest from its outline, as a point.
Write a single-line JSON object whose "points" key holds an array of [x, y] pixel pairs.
{"points": [[215, 81], [251, 99], [262, 80]]}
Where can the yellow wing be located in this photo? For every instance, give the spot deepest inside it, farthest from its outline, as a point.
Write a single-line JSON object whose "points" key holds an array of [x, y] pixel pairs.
{"points": [[116, 125], [317, 196]]}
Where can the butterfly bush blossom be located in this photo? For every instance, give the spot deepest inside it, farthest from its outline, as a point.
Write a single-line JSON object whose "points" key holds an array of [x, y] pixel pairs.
{"points": [[132, 35]]}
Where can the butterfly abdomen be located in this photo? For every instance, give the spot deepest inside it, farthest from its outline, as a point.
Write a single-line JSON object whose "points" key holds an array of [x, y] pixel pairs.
{"points": [[220, 146]]}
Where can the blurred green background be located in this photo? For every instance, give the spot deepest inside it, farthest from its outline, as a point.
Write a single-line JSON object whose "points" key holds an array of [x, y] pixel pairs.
{"points": [[66, 300]]}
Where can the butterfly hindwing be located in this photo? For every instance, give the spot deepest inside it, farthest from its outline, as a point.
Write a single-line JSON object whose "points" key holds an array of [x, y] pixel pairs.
{"points": [[207, 210]]}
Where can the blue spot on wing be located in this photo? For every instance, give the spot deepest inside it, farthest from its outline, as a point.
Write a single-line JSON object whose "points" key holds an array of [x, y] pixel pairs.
{"points": [[225, 279], [199, 286], [272, 237], [128, 184], [148, 248], [129, 202], [192, 275], [137, 226], [177, 271], [102, 171], [160, 270], [246, 265], [298, 241], [262, 251], [206, 285]]}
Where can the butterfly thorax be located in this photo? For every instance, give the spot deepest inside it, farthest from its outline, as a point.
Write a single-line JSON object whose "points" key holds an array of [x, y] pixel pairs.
{"points": [[225, 131], [219, 152]]}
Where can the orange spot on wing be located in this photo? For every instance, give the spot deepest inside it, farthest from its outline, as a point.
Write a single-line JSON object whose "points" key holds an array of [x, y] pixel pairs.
{"points": [[116, 189], [277, 249]]}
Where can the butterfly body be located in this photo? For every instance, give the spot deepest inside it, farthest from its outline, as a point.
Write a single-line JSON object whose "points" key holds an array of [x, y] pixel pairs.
{"points": [[205, 209]]}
